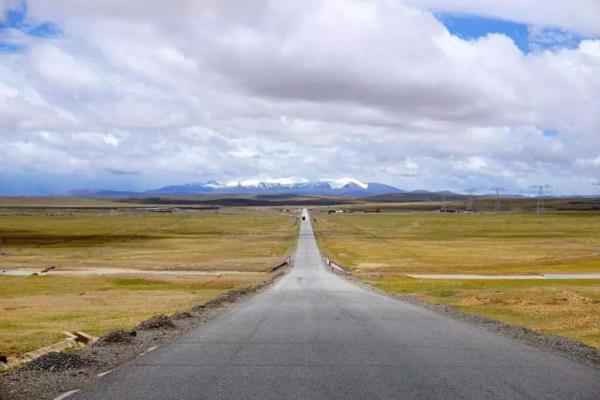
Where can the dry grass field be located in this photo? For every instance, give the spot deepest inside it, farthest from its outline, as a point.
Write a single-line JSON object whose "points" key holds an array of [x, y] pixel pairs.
{"points": [[433, 243], [234, 248], [382, 248], [243, 241], [35, 310], [16, 202]]}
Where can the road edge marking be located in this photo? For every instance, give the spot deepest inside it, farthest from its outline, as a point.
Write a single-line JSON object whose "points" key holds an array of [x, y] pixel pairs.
{"points": [[101, 374], [150, 349], [67, 394]]}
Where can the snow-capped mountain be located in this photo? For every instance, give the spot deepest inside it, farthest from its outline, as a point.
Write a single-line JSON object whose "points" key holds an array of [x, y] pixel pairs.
{"points": [[344, 186], [300, 186]]}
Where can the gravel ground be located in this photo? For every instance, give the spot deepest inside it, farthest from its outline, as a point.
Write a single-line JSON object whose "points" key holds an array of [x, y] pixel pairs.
{"points": [[56, 373], [52, 362]]}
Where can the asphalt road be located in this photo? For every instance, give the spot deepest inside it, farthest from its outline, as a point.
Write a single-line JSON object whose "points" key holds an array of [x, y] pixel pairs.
{"points": [[315, 335]]}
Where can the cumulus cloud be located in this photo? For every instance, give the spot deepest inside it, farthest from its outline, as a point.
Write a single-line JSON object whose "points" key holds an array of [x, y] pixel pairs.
{"points": [[376, 90]]}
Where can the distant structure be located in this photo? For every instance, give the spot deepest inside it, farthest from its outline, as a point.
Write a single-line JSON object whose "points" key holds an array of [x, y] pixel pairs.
{"points": [[540, 198], [498, 204], [597, 184], [471, 200], [444, 204]]}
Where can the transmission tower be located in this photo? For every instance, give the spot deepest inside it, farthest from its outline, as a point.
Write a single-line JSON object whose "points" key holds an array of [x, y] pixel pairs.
{"points": [[498, 204], [597, 184], [540, 198], [471, 192]]}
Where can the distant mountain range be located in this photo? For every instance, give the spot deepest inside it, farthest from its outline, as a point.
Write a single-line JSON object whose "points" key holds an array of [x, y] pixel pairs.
{"points": [[324, 187]]}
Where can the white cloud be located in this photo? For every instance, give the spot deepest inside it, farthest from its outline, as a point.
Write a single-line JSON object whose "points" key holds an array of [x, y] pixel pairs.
{"points": [[471, 164], [62, 70], [375, 90]]}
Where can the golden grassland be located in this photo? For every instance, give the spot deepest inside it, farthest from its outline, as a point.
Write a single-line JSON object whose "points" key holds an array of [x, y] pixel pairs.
{"points": [[381, 248], [243, 241], [433, 243], [433, 202], [62, 202], [35, 310]]}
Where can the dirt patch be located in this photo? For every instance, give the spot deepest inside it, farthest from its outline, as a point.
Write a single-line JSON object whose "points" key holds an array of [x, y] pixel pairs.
{"points": [[570, 298], [547, 298], [118, 337], [182, 315], [157, 322], [57, 362], [44, 384]]}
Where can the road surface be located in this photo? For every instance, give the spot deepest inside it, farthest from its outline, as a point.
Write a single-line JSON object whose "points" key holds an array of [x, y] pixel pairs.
{"points": [[315, 335]]}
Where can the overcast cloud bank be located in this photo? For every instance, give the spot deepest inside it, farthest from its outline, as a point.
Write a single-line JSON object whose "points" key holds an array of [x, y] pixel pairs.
{"points": [[138, 94]]}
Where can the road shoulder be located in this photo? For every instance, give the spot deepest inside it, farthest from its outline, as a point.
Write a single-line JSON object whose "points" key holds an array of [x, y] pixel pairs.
{"points": [[560, 345]]}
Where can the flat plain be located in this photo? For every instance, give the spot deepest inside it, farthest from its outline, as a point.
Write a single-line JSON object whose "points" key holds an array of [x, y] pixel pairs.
{"points": [[231, 249], [479, 243], [382, 248], [238, 241]]}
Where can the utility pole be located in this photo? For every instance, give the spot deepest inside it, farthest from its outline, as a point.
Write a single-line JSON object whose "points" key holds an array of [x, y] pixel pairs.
{"points": [[540, 199], [498, 204], [597, 184], [470, 202]]}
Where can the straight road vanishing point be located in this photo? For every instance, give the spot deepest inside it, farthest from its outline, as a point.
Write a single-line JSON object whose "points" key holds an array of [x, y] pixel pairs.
{"points": [[315, 335]]}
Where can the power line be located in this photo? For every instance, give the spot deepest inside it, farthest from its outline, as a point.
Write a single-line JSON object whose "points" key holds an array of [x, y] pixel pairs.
{"points": [[498, 204]]}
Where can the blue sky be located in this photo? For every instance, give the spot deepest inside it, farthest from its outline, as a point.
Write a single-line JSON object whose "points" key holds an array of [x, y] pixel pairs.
{"points": [[474, 27], [16, 19], [203, 91], [526, 37]]}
